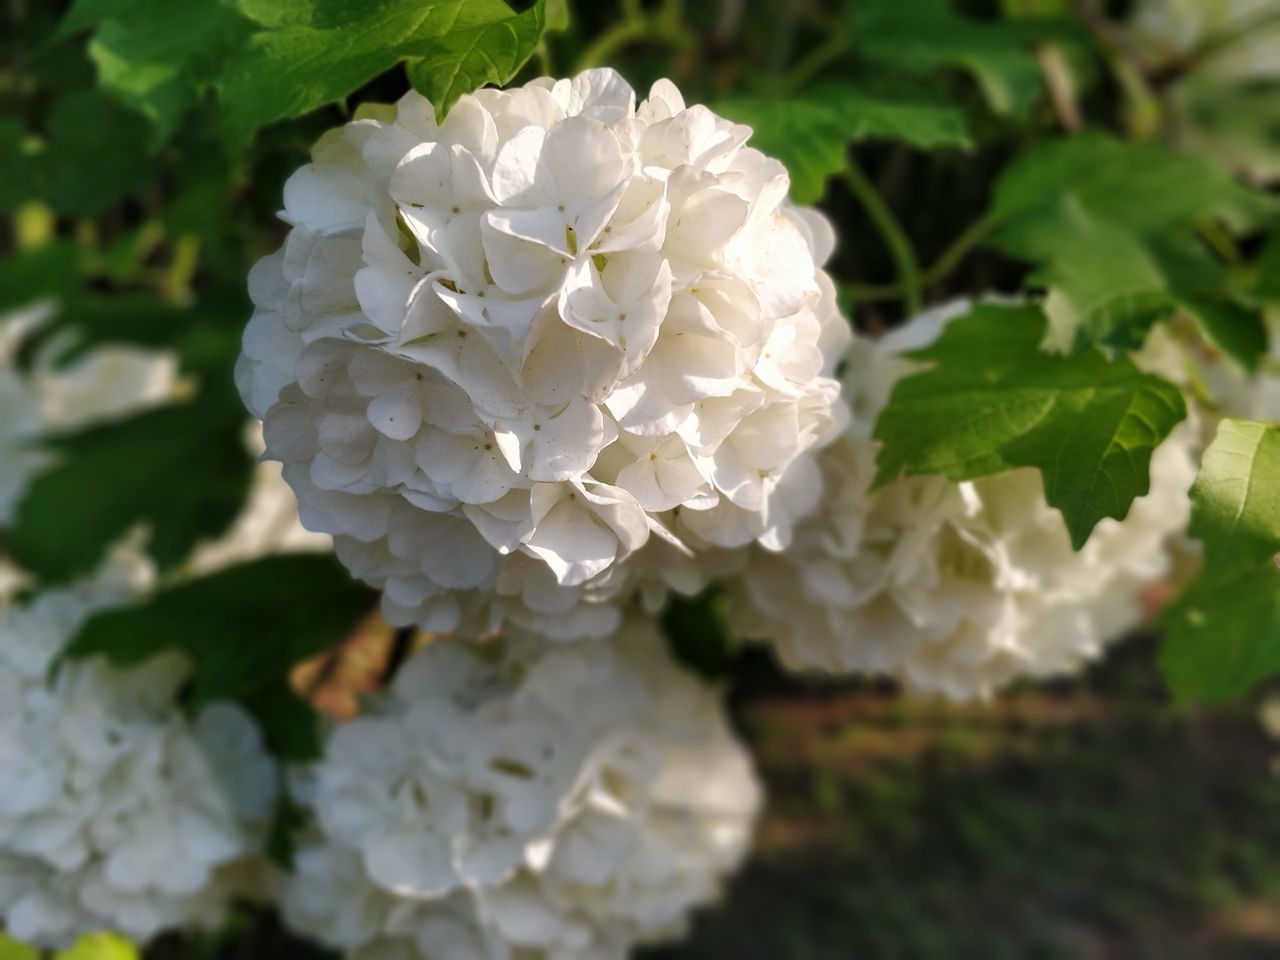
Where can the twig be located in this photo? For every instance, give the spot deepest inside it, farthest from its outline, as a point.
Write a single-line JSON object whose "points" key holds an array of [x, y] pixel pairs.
{"points": [[895, 238], [1062, 91], [401, 647], [1130, 66], [958, 249], [950, 258], [663, 26], [812, 63]]}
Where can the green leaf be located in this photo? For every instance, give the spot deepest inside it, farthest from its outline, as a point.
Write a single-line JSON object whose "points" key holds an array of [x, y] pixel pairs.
{"points": [[1143, 184], [206, 336], [918, 36], [808, 133], [557, 14], [1261, 276], [1223, 633], [99, 946], [1234, 119], [289, 819], [182, 470], [1108, 284], [244, 629], [465, 59], [1236, 498], [96, 319], [809, 139], [1118, 252], [288, 721], [697, 630], [36, 274], [314, 52], [1236, 330], [158, 56], [1106, 289], [79, 124], [18, 166], [993, 402], [11, 949]]}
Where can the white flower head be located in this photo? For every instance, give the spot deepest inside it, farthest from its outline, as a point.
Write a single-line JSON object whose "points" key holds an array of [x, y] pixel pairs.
{"points": [[544, 335], [520, 800], [956, 588], [116, 810]]}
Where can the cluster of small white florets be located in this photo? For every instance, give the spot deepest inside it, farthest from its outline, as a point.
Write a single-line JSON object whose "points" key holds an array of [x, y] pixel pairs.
{"points": [[513, 799], [956, 588], [116, 810], [499, 355]]}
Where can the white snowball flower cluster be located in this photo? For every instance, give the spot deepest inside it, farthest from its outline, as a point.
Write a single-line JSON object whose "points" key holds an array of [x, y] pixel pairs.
{"points": [[116, 811], [107, 382], [956, 588], [499, 355], [513, 800]]}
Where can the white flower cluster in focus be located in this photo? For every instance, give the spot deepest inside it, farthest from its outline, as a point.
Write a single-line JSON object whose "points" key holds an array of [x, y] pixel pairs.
{"points": [[116, 810], [499, 355], [956, 588], [513, 800]]}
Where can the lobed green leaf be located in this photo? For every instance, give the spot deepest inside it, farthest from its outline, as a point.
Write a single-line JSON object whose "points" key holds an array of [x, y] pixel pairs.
{"points": [[1223, 633], [920, 36], [182, 470], [244, 629], [809, 132], [158, 56], [313, 52], [467, 58], [993, 401], [1119, 252]]}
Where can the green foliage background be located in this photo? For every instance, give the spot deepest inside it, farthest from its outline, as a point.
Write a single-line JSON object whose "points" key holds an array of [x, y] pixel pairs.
{"points": [[1019, 146]]}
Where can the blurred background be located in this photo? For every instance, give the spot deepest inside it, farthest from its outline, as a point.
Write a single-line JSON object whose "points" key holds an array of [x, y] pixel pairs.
{"points": [[1086, 819]]}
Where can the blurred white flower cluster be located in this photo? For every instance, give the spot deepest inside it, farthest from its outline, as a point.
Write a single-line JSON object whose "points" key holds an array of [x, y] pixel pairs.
{"points": [[499, 355], [116, 810], [956, 589], [518, 800], [1168, 29], [1225, 57]]}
